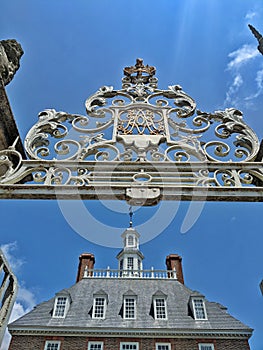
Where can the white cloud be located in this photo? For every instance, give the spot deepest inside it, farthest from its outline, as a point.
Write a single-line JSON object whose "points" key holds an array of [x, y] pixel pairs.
{"points": [[233, 89], [238, 60], [242, 56], [259, 83], [25, 298], [8, 250], [250, 15]]}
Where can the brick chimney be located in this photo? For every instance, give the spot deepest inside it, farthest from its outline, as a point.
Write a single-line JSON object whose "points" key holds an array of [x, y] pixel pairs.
{"points": [[174, 262], [86, 261]]}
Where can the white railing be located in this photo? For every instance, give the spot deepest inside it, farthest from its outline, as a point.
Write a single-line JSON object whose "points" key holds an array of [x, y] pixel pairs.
{"points": [[110, 273]]}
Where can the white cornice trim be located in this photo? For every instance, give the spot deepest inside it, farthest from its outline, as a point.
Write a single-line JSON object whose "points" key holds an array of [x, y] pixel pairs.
{"points": [[113, 332]]}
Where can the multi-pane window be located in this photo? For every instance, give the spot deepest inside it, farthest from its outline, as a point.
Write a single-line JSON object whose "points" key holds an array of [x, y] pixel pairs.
{"points": [[160, 308], [60, 307], [129, 307], [92, 345], [99, 307], [130, 241], [129, 346], [199, 309], [163, 346], [52, 345], [130, 263], [206, 347]]}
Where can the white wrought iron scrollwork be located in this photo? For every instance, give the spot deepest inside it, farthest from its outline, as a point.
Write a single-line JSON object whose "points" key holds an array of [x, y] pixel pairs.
{"points": [[136, 133], [141, 122]]}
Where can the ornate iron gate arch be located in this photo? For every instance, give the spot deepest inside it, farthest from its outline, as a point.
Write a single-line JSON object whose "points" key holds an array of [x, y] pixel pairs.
{"points": [[138, 143]]}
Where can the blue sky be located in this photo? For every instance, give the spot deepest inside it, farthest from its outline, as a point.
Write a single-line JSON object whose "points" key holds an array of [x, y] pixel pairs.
{"points": [[74, 47]]}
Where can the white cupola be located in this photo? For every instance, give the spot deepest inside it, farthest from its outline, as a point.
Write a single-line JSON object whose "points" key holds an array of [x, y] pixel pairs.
{"points": [[130, 258]]}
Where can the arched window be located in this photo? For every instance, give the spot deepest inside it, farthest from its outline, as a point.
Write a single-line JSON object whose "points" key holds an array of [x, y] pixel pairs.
{"points": [[130, 241]]}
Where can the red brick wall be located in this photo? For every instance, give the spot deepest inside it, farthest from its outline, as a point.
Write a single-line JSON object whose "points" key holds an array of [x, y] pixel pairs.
{"points": [[81, 343], [174, 261], [85, 259]]}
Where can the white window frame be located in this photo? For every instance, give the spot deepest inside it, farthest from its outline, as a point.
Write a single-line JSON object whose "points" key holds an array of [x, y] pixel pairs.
{"points": [[162, 344], [52, 342], [200, 346], [94, 306], [130, 241], [130, 259], [56, 306], [90, 343], [129, 343], [155, 307], [195, 311], [125, 307]]}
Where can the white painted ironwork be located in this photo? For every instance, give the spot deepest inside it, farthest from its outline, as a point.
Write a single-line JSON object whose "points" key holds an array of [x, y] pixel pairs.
{"points": [[139, 143]]}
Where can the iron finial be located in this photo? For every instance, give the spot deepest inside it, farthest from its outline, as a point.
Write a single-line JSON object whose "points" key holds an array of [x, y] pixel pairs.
{"points": [[131, 215]]}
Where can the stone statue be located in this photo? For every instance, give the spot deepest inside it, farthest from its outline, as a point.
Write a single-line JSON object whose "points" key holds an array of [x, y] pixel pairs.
{"points": [[259, 38], [10, 54]]}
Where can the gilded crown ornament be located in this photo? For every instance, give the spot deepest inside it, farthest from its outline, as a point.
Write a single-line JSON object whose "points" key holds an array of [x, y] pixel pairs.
{"points": [[139, 69]]}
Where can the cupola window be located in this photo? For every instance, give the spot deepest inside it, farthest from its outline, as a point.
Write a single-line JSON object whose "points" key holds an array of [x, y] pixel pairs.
{"points": [[130, 263], [130, 241]]}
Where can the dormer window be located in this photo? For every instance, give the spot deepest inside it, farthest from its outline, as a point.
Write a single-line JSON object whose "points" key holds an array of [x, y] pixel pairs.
{"points": [[160, 308], [99, 306], [61, 306], [198, 308], [159, 304], [129, 307]]}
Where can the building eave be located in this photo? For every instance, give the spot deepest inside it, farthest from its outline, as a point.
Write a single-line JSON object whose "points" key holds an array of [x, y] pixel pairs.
{"points": [[117, 332], [130, 251]]}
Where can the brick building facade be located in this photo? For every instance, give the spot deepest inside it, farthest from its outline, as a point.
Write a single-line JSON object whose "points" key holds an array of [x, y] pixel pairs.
{"points": [[129, 309]]}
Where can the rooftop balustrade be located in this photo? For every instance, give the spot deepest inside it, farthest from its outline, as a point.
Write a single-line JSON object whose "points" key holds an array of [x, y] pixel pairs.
{"points": [[146, 274]]}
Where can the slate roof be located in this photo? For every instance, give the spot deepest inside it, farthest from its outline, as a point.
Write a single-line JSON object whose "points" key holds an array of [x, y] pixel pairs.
{"points": [[178, 312]]}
